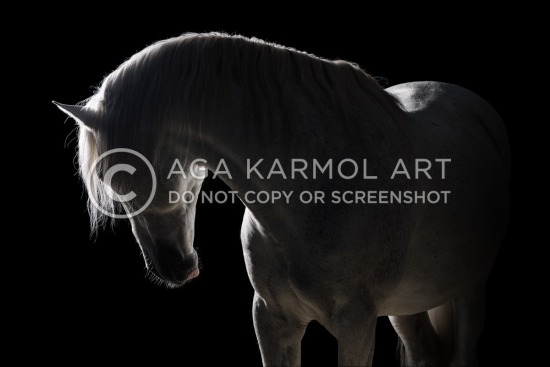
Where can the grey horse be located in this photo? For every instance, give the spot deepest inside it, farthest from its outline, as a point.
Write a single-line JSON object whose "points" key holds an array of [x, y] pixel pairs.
{"points": [[232, 101]]}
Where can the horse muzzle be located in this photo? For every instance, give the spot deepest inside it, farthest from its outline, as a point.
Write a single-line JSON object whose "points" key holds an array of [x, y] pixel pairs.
{"points": [[175, 267]]}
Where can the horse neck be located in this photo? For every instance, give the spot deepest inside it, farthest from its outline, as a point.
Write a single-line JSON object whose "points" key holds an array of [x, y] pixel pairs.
{"points": [[307, 131], [237, 137]]}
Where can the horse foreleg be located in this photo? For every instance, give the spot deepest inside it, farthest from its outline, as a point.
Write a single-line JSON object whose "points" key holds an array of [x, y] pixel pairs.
{"points": [[469, 312], [354, 327], [279, 335], [419, 339]]}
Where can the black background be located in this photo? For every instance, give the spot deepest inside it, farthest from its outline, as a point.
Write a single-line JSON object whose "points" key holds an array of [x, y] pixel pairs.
{"points": [[101, 305]]}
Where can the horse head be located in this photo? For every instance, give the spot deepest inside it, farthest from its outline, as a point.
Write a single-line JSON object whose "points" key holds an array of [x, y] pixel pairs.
{"points": [[132, 180]]}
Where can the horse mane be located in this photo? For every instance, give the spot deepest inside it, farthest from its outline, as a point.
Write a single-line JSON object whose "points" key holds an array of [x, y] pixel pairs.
{"points": [[160, 97]]}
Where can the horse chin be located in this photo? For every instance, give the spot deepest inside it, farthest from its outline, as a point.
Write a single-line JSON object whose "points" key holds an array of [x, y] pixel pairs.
{"points": [[172, 284], [192, 275]]}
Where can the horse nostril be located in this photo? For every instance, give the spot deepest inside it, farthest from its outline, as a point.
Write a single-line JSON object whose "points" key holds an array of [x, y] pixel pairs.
{"points": [[194, 274], [172, 265]]}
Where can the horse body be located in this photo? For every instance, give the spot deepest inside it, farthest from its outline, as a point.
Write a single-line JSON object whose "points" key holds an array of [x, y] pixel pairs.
{"points": [[342, 265], [388, 261]]}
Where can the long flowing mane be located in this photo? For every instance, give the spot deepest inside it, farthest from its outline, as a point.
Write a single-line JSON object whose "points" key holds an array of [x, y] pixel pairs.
{"points": [[162, 95]]}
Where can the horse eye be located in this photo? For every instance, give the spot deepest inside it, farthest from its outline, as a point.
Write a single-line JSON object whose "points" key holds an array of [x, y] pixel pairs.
{"points": [[100, 173]]}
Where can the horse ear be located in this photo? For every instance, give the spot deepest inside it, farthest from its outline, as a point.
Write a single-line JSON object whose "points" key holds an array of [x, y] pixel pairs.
{"points": [[84, 116]]}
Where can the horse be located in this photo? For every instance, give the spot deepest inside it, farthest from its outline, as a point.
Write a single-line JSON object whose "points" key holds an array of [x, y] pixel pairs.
{"points": [[213, 99]]}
